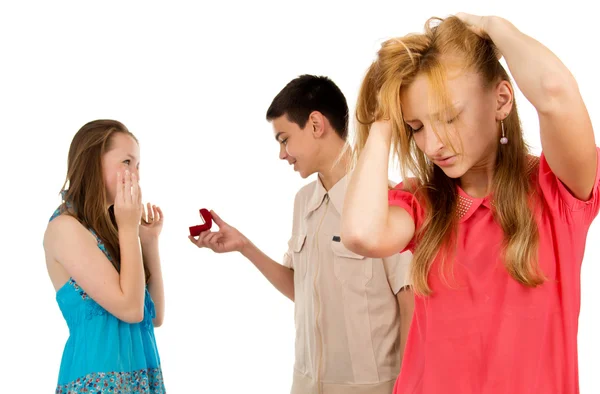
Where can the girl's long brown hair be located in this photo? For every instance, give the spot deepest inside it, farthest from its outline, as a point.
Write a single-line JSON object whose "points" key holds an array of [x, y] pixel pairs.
{"points": [[398, 63], [85, 196]]}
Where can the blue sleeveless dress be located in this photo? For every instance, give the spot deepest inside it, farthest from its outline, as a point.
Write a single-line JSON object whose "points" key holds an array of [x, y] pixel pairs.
{"points": [[104, 354]]}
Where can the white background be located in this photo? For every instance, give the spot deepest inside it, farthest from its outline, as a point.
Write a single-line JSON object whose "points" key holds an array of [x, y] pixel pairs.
{"points": [[193, 82]]}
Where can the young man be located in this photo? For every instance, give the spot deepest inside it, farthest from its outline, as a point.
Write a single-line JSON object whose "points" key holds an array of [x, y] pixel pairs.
{"points": [[352, 313]]}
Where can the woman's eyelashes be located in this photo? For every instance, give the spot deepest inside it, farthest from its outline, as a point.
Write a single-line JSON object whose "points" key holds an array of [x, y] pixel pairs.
{"points": [[452, 120], [419, 128], [414, 130]]}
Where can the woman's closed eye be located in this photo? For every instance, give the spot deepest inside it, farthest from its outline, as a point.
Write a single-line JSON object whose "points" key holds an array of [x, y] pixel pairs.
{"points": [[413, 129]]}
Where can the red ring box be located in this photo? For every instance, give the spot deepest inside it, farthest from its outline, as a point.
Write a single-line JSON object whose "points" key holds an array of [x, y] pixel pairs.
{"points": [[207, 217]]}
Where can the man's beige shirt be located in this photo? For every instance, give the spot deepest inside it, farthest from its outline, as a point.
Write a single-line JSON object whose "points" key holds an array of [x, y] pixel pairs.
{"points": [[346, 310]]}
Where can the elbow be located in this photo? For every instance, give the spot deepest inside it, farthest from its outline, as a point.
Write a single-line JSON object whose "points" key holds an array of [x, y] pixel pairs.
{"points": [[135, 318], [134, 315], [157, 322], [360, 243], [351, 238], [359, 236], [353, 235]]}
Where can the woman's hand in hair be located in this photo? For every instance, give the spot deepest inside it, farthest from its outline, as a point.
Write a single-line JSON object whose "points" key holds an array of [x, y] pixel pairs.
{"points": [[478, 25], [567, 135]]}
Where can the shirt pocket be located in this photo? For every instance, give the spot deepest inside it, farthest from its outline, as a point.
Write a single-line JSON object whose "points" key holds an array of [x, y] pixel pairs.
{"points": [[351, 269], [297, 247]]}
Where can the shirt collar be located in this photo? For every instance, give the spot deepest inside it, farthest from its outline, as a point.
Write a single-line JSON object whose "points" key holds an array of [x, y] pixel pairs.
{"points": [[467, 205], [336, 194]]}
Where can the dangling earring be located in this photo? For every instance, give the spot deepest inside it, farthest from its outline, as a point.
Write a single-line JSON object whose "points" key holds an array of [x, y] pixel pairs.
{"points": [[503, 140]]}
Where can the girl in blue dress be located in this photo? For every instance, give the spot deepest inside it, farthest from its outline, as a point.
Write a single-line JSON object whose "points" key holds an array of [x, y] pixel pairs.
{"points": [[102, 256]]}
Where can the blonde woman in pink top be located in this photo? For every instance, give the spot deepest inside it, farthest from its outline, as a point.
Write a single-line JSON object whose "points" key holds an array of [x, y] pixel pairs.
{"points": [[498, 235]]}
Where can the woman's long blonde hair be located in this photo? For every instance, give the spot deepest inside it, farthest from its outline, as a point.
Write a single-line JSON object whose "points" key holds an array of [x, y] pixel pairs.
{"points": [[398, 63]]}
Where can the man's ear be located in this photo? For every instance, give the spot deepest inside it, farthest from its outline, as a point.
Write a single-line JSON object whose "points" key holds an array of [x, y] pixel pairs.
{"points": [[316, 121]]}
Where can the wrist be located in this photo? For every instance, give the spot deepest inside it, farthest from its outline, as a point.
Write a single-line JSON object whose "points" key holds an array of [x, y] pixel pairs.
{"points": [[492, 25], [129, 232], [383, 127], [381, 132], [245, 247]]}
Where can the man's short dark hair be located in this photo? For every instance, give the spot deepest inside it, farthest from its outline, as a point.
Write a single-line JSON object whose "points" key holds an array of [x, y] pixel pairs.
{"points": [[309, 93]]}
